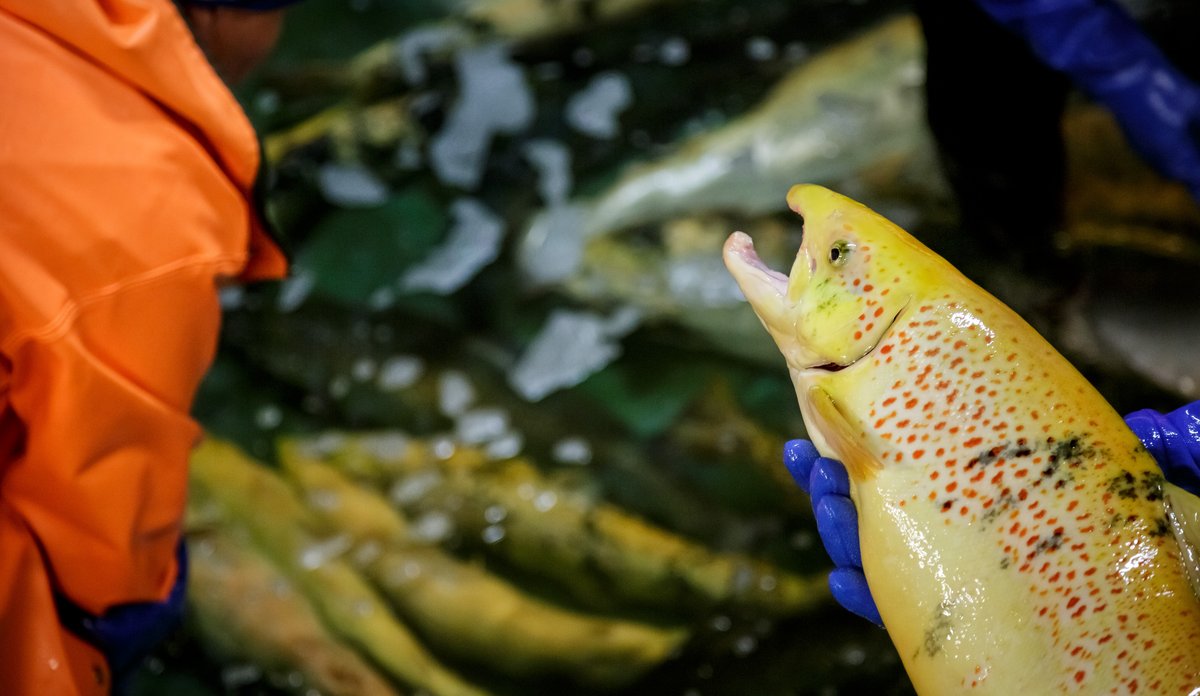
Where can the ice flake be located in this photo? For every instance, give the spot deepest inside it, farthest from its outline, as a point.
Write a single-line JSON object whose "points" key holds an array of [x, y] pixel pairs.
{"points": [[481, 425], [411, 48], [455, 393], [552, 160], [570, 347], [552, 249], [494, 97], [473, 242], [295, 289], [400, 372], [595, 110], [351, 185], [572, 450]]}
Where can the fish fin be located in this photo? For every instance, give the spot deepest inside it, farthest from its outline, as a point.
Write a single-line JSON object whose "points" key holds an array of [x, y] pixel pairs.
{"points": [[842, 436], [1183, 510]]}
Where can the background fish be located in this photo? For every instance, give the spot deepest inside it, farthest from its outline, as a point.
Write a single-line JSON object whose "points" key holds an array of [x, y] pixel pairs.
{"points": [[1015, 533]]}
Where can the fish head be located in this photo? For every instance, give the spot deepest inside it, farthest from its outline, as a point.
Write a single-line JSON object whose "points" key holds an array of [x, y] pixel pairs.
{"points": [[854, 274]]}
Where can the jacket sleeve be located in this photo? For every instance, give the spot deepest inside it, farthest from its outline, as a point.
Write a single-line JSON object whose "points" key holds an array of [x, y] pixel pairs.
{"points": [[1107, 55], [104, 397]]}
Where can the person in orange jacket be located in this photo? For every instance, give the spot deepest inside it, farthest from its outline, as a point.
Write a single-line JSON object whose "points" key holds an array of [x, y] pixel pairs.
{"points": [[126, 202]]}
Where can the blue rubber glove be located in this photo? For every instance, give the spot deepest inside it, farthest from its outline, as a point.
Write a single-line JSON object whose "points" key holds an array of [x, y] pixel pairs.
{"points": [[826, 482], [1106, 54], [127, 633], [1173, 439]]}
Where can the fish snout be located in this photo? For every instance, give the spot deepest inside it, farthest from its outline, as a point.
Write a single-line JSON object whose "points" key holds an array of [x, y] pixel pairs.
{"points": [[772, 295]]}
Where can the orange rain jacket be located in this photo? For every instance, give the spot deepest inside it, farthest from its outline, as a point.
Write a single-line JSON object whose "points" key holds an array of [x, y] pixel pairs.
{"points": [[126, 168]]}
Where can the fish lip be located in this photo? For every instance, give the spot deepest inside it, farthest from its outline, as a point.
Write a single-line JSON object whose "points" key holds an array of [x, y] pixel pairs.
{"points": [[831, 367], [740, 244]]}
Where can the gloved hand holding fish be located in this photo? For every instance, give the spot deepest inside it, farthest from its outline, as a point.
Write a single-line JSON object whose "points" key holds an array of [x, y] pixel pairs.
{"points": [[1173, 438], [1015, 533]]}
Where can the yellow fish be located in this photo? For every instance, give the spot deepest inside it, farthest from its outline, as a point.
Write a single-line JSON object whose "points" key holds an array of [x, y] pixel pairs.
{"points": [[1016, 536]]}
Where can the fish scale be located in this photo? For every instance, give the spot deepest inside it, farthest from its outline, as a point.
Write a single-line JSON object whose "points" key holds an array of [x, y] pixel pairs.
{"points": [[1015, 533]]}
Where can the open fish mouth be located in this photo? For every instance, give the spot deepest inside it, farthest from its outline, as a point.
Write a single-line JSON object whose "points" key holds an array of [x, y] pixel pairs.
{"points": [[767, 292]]}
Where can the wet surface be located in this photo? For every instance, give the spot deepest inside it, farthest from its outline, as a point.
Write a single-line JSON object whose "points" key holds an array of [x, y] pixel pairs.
{"points": [[437, 167]]}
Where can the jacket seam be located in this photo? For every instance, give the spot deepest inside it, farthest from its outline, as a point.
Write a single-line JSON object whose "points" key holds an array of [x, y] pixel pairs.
{"points": [[58, 326]]}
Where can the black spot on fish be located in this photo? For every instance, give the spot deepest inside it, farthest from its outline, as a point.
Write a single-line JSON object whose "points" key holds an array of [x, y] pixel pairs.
{"points": [[938, 632], [1147, 486], [1051, 543]]}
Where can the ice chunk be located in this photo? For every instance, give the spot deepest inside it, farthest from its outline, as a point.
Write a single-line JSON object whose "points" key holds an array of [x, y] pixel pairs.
{"points": [[363, 369], [552, 249], [545, 501], [552, 160], [494, 97], [455, 393], [702, 281], [572, 450], [231, 297], [295, 289], [506, 447], [433, 527], [473, 242], [675, 51], [761, 48], [351, 185], [240, 675], [481, 425], [411, 48], [569, 348], [400, 372], [412, 488], [388, 446], [595, 110], [268, 417]]}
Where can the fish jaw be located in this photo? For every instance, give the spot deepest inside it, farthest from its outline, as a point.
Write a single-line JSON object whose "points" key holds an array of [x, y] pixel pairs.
{"points": [[768, 293], [854, 274]]}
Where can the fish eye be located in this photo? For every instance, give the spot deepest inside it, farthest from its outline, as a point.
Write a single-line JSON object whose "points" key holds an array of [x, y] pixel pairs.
{"points": [[839, 252]]}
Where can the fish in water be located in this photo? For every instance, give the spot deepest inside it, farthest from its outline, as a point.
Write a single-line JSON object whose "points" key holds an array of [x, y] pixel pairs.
{"points": [[1015, 534]]}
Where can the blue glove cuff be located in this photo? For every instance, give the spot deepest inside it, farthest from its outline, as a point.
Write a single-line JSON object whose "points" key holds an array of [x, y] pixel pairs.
{"points": [[128, 632], [1174, 441], [1104, 51]]}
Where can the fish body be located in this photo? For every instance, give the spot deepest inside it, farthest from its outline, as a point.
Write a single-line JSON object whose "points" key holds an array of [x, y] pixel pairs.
{"points": [[852, 113], [1015, 534]]}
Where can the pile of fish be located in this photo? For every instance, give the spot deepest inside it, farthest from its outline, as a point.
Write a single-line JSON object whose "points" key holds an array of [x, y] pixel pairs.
{"points": [[332, 568], [509, 426]]}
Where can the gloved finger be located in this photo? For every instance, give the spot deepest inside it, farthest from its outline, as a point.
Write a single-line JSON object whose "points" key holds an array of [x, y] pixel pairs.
{"points": [[849, 588], [828, 477], [798, 457], [1144, 424], [837, 524]]}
